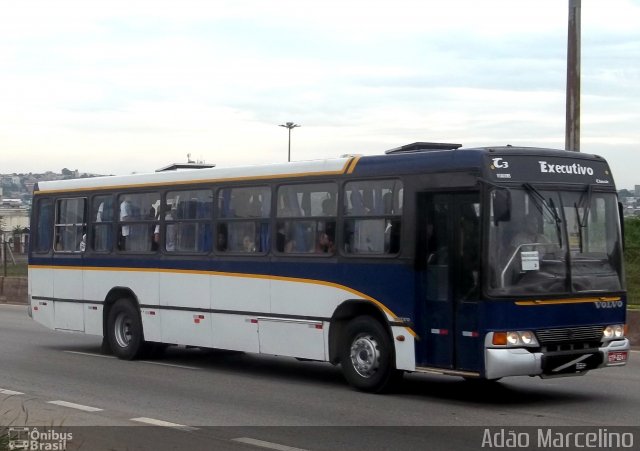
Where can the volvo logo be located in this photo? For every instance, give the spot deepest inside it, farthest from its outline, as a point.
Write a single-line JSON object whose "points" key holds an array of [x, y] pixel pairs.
{"points": [[609, 304]]}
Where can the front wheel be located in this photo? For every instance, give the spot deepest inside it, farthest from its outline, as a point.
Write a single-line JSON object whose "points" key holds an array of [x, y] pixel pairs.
{"points": [[125, 330], [367, 356]]}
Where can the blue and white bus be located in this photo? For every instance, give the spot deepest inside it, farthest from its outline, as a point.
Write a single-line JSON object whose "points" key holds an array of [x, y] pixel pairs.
{"points": [[480, 263]]}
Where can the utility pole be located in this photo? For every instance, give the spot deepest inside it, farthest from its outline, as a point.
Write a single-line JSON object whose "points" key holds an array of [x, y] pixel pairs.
{"points": [[290, 126], [572, 128]]}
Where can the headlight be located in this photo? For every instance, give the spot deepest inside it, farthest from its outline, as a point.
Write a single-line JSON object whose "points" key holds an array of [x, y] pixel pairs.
{"points": [[612, 332], [527, 337], [514, 339], [618, 331]]}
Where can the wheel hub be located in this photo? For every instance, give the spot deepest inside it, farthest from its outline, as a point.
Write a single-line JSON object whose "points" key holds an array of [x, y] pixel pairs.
{"points": [[365, 355], [122, 330]]}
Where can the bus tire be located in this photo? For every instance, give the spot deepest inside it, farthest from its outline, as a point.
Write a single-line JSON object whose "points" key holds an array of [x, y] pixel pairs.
{"points": [[367, 356], [125, 330]]}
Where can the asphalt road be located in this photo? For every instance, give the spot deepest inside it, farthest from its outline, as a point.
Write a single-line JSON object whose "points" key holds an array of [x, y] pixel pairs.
{"points": [[191, 399]]}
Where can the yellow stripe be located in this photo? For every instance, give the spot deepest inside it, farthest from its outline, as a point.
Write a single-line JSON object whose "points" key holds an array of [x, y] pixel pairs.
{"points": [[344, 170], [352, 164], [232, 274], [567, 301]]}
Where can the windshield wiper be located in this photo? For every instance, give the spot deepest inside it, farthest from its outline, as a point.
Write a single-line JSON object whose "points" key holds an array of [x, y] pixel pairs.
{"points": [[542, 205], [585, 203]]}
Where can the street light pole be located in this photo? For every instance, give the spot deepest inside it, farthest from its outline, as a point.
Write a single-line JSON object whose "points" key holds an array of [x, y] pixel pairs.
{"points": [[290, 126]]}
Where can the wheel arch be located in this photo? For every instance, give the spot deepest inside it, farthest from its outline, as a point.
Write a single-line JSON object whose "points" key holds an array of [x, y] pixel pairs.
{"points": [[345, 312], [114, 294]]}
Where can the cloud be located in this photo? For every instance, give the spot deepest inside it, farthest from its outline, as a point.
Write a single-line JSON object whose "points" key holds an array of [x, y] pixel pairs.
{"points": [[137, 85]]}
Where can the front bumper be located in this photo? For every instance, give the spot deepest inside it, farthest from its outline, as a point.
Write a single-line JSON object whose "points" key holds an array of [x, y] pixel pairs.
{"points": [[503, 362]]}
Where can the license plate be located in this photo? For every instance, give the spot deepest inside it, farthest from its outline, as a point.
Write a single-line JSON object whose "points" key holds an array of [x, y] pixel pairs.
{"points": [[618, 357]]}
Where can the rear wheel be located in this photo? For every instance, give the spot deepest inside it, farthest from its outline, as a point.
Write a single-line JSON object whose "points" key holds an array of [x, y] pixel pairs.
{"points": [[125, 330], [367, 356]]}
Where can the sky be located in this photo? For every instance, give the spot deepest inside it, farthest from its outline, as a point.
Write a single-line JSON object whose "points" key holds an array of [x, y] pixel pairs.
{"points": [[115, 87]]}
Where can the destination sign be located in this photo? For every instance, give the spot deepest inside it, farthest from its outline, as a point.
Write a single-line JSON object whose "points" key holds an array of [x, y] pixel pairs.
{"points": [[548, 168]]}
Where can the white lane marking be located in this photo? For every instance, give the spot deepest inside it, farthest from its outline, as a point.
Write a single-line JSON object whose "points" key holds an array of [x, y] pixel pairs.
{"points": [[154, 422], [75, 406], [10, 392], [170, 364], [263, 444], [91, 354]]}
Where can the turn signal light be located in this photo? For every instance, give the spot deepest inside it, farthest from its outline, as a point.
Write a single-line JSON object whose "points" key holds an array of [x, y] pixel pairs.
{"points": [[499, 338]]}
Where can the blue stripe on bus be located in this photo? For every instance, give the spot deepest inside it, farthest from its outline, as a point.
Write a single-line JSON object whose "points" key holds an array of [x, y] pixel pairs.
{"points": [[370, 279], [389, 165]]}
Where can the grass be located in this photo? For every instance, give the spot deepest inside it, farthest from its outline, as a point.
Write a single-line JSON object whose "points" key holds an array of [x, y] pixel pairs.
{"points": [[632, 268], [632, 259]]}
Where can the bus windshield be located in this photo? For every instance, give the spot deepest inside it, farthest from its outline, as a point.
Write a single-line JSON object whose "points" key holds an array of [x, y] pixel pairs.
{"points": [[555, 242]]}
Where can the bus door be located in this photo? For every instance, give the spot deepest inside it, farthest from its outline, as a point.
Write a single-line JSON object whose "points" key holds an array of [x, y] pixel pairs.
{"points": [[448, 268]]}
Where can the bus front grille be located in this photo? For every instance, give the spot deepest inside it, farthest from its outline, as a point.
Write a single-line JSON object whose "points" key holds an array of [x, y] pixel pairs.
{"points": [[570, 334]]}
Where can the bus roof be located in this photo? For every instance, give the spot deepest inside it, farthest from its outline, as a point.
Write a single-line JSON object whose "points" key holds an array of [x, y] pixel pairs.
{"points": [[396, 163]]}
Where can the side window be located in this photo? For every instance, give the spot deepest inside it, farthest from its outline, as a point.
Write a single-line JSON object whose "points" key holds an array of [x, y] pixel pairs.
{"points": [[187, 221], [306, 221], [137, 220], [243, 219], [373, 211], [44, 211], [102, 223], [70, 226]]}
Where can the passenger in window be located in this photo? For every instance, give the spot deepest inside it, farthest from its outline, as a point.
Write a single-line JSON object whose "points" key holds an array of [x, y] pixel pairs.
{"points": [[170, 238], [281, 238], [248, 245], [100, 212], [387, 203], [221, 242], [82, 246], [328, 207], [284, 239], [255, 208], [125, 215], [325, 244]]}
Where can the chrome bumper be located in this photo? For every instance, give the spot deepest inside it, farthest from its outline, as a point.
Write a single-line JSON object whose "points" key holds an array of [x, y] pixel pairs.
{"points": [[503, 362]]}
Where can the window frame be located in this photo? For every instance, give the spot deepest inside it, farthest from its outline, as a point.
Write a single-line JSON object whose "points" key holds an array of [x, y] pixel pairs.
{"points": [[301, 219], [163, 223], [82, 225], [49, 227], [136, 222], [345, 218], [220, 220], [111, 225]]}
